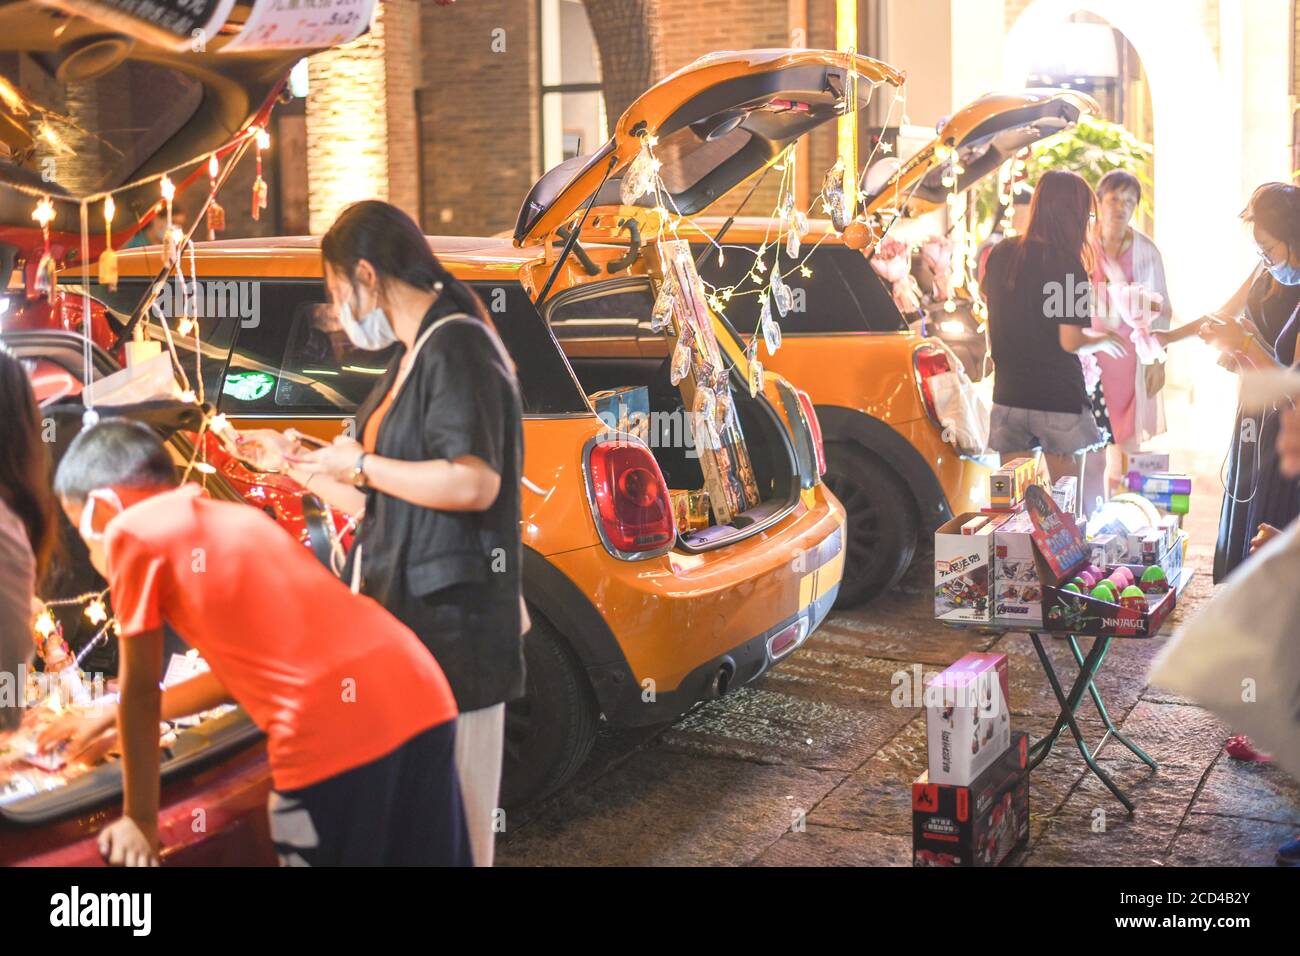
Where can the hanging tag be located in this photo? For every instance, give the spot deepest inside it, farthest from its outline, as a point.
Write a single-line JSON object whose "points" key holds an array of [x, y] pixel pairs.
{"points": [[755, 370], [259, 197], [781, 294], [216, 219], [771, 330], [662, 314], [641, 175], [681, 366], [833, 196]]}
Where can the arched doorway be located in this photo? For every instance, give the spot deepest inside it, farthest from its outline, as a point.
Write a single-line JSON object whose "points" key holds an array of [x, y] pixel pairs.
{"points": [[1187, 90]]}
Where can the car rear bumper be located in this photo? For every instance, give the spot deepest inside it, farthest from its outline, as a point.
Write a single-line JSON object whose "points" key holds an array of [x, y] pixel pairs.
{"points": [[684, 628]]}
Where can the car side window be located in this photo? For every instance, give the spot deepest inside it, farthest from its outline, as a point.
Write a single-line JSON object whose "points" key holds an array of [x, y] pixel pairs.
{"points": [[293, 358], [841, 294]]}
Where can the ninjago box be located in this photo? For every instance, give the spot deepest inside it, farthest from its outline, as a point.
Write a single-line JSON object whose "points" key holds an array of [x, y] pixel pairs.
{"points": [[975, 825], [1061, 555]]}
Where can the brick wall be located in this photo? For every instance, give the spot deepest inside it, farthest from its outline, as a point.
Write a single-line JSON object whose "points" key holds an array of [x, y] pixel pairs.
{"points": [[479, 121]]}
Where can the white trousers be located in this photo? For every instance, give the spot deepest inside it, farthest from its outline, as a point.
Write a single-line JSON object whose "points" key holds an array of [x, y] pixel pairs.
{"points": [[480, 744]]}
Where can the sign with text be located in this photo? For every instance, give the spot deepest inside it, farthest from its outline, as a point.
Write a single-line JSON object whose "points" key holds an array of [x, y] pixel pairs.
{"points": [[286, 24]]}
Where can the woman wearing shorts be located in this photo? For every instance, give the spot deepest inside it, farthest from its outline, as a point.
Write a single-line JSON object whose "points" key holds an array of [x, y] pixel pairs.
{"points": [[1040, 315]]}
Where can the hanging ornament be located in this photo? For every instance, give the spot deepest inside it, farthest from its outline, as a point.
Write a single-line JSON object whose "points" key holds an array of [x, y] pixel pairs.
{"points": [[216, 212], [107, 267], [857, 235], [95, 611], [44, 282], [259, 184], [641, 175], [682, 354], [706, 416], [755, 369], [781, 294], [797, 230], [771, 330], [833, 198], [662, 314]]}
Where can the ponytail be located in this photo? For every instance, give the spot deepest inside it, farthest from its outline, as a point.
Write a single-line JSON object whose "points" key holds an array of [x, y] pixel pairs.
{"points": [[394, 245]]}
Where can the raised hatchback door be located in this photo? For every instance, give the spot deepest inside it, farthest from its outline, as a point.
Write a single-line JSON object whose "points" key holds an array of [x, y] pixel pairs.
{"points": [[980, 137], [717, 122]]}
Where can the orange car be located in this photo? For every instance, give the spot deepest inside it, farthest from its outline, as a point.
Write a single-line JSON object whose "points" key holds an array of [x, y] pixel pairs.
{"points": [[636, 617], [865, 367]]}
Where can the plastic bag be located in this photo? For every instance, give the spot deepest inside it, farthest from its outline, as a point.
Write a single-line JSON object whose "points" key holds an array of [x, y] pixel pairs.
{"points": [[1240, 656], [961, 410]]}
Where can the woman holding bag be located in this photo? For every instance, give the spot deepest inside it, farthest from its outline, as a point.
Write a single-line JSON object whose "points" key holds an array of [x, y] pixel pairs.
{"points": [[437, 473], [1132, 298]]}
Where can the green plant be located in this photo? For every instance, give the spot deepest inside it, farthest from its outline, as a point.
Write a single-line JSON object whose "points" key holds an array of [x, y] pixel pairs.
{"points": [[1091, 148]]}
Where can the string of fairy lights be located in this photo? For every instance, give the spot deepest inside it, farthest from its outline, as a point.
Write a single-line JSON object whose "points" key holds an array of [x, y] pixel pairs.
{"points": [[178, 252]]}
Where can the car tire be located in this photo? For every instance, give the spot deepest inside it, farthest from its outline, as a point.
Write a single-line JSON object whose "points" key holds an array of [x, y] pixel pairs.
{"points": [[882, 523], [549, 731]]}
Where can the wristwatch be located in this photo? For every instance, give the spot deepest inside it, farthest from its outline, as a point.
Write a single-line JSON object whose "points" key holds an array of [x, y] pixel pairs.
{"points": [[359, 471]]}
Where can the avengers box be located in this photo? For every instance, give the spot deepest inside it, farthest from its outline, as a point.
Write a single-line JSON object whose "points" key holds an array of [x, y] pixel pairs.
{"points": [[976, 825]]}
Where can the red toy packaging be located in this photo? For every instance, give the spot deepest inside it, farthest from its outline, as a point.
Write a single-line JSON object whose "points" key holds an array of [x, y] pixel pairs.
{"points": [[978, 825]]}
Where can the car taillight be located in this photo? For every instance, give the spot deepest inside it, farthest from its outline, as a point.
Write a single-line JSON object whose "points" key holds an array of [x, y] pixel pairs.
{"points": [[630, 499], [929, 361], [814, 428]]}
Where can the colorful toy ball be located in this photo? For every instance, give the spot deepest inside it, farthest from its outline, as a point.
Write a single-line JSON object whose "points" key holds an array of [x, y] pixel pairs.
{"points": [[1133, 598], [1072, 588], [1154, 575], [1089, 579], [1105, 591], [1080, 584], [1126, 574]]}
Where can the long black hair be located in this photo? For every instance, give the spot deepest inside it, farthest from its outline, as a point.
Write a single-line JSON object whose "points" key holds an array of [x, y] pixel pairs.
{"points": [[1275, 208], [393, 244], [25, 461]]}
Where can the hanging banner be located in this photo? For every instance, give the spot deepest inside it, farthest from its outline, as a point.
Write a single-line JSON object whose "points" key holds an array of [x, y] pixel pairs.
{"points": [[170, 24], [289, 24]]}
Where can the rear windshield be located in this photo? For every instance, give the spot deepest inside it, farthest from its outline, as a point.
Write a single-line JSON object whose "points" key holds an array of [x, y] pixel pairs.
{"points": [[842, 294], [275, 348]]}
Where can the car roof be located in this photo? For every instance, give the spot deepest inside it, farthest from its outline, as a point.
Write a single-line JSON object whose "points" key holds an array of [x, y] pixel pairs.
{"points": [[299, 257]]}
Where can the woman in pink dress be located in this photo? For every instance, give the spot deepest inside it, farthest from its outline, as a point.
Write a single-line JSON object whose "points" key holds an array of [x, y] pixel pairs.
{"points": [[1131, 297]]}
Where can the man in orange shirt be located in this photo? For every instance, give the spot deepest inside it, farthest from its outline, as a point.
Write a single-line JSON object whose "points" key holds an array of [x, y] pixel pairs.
{"points": [[359, 719]]}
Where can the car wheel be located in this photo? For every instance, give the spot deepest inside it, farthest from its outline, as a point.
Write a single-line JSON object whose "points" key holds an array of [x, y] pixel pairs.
{"points": [[549, 731], [882, 522]]}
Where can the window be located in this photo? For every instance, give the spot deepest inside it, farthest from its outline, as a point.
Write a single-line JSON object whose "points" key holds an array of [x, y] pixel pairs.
{"points": [[843, 294], [573, 106], [295, 359]]}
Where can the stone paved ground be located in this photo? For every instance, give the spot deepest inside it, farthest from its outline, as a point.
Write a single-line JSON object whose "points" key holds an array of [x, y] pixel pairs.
{"points": [[818, 735]]}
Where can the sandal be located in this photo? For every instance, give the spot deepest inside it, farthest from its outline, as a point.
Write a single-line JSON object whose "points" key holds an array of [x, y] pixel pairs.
{"points": [[1240, 748]]}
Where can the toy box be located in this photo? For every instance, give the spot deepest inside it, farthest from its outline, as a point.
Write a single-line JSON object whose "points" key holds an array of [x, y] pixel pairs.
{"points": [[962, 566], [967, 718], [1107, 549], [1066, 493], [1007, 485], [1146, 463], [1017, 594], [624, 410], [976, 825]]}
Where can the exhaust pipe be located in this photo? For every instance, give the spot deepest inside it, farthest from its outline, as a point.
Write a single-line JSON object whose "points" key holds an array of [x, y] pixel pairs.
{"points": [[720, 682]]}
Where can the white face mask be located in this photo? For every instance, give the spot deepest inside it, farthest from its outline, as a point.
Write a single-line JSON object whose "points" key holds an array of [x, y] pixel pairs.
{"points": [[371, 332], [93, 539]]}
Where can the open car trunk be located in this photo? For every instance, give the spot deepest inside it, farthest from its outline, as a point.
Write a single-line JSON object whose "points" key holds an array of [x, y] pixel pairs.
{"points": [[604, 331], [31, 793]]}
